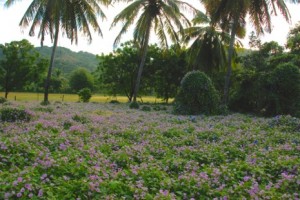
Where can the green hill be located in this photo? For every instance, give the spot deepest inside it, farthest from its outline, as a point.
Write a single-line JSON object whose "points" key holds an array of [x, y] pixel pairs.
{"points": [[68, 60]]}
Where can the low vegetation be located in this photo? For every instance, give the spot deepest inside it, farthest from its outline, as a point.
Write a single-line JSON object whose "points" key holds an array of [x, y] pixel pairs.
{"points": [[98, 151]]}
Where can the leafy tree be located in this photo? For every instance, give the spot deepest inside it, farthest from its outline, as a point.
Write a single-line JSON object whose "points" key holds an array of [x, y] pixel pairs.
{"points": [[162, 16], [231, 14], [85, 95], [19, 66], [68, 16], [124, 61], [170, 67], [268, 83], [116, 71], [293, 40], [81, 78]]}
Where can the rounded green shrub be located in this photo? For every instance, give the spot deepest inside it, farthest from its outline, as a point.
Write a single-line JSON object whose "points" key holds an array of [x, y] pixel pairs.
{"points": [[197, 95], [134, 105], [8, 114], [85, 95]]}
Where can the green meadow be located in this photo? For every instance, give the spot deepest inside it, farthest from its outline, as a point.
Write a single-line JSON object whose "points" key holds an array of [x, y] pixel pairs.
{"points": [[100, 98]]}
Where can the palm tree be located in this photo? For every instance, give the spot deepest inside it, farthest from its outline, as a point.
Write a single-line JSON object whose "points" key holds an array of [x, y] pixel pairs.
{"points": [[162, 16], [209, 42], [68, 16], [231, 14]]}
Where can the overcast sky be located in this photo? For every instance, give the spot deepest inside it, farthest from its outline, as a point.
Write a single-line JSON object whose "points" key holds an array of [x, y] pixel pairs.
{"points": [[10, 30]]}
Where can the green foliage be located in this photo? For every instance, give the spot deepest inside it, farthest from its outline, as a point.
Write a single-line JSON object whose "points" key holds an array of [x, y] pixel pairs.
{"points": [[67, 60], [197, 95], [2, 100], [285, 123], [9, 114], [85, 94], [134, 105], [146, 108], [293, 40], [19, 65], [285, 84], [116, 71], [265, 85], [80, 118], [114, 102], [169, 68], [81, 78]]}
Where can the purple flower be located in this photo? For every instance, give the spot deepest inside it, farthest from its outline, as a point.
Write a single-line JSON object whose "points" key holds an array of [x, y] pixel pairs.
{"points": [[40, 194], [19, 195], [28, 187], [43, 176], [7, 195], [246, 178], [30, 195]]}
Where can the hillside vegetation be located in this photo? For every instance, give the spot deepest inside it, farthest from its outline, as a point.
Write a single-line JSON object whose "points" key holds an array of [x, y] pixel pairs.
{"points": [[68, 60]]}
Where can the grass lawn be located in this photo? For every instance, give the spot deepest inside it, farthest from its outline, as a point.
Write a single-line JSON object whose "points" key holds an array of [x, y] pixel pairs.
{"points": [[70, 150], [26, 96]]}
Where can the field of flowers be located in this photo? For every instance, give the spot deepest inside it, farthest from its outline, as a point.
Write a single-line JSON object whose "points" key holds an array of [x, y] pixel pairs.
{"points": [[108, 151]]}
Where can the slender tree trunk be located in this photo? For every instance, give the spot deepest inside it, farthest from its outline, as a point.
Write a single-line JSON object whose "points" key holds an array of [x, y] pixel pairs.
{"points": [[142, 64], [6, 93], [6, 88], [229, 64], [47, 82]]}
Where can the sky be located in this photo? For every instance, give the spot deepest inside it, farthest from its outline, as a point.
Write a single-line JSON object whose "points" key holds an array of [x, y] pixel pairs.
{"points": [[10, 30]]}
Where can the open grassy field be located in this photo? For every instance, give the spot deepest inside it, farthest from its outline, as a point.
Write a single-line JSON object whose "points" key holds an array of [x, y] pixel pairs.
{"points": [[107, 151], [26, 96]]}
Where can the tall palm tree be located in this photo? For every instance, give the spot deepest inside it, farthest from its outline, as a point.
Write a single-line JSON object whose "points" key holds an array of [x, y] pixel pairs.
{"points": [[231, 14], [209, 42], [68, 16], [164, 17]]}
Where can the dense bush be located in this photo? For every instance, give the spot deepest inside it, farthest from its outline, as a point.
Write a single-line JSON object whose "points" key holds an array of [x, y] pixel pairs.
{"points": [[134, 105], [9, 114], [270, 92], [197, 95], [85, 94], [2, 100], [285, 81]]}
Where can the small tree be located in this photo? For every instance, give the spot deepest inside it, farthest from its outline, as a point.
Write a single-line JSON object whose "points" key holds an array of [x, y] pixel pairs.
{"points": [[81, 78], [19, 65], [85, 94]]}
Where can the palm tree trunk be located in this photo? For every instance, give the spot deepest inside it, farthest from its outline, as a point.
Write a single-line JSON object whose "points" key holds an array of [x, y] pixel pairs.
{"points": [[229, 64], [47, 82], [142, 64]]}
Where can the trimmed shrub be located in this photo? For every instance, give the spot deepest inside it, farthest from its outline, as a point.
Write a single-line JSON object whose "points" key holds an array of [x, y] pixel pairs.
{"points": [[8, 114], [134, 105], [197, 95], [85, 95]]}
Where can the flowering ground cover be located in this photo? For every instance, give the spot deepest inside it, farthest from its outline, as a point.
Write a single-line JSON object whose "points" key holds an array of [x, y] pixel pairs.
{"points": [[106, 151]]}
